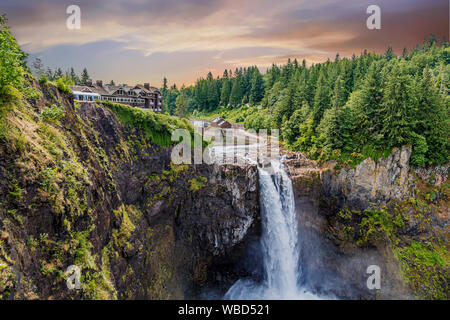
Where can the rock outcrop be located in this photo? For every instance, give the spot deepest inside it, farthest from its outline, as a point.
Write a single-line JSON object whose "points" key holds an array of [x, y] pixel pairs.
{"points": [[89, 191], [376, 213], [370, 182]]}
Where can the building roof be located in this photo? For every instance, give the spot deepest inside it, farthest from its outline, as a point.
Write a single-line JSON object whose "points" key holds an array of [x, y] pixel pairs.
{"points": [[110, 90], [91, 94], [81, 88], [222, 122], [217, 120]]}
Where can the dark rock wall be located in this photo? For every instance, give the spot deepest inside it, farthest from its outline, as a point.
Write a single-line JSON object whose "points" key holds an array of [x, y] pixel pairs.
{"points": [[137, 225]]}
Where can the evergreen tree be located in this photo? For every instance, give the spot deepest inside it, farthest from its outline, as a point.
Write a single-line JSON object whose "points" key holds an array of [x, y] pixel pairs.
{"points": [[290, 131], [213, 92], [396, 108], [73, 76], [165, 86], [49, 74], [181, 105], [236, 92], [431, 119], [257, 87], [321, 97], [339, 93], [58, 74], [366, 104], [405, 53], [335, 130], [389, 55], [38, 68], [300, 82], [84, 76], [225, 92]]}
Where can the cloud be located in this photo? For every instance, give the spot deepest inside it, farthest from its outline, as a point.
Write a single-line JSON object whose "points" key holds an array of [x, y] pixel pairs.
{"points": [[194, 36]]}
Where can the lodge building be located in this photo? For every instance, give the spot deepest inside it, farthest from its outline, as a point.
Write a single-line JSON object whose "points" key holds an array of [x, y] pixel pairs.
{"points": [[141, 96]]}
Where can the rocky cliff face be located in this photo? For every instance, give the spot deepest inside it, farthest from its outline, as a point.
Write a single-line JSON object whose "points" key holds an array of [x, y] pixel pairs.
{"points": [[370, 183], [88, 191], [380, 213]]}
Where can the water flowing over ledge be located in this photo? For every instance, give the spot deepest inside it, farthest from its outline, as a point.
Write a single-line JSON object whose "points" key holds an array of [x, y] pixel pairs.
{"points": [[281, 250]]}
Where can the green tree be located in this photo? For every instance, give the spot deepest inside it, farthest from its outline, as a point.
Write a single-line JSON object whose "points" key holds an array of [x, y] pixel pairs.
{"points": [[38, 68], [236, 92], [420, 148], [73, 76], [165, 87], [397, 108], [290, 130], [225, 92], [285, 107], [366, 105], [12, 71], [339, 97], [84, 76], [431, 118], [181, 105], [257, 87], [58, 74], [389, 54], [335, 130], [321, 97]]}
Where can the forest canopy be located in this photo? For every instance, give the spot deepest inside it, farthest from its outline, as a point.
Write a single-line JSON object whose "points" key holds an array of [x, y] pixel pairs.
{"points": [[346, 109]]}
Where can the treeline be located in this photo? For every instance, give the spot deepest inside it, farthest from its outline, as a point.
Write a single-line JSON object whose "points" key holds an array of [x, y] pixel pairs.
{"points": [[346, 109], [245, 85], [69, 75], [350, 109]]}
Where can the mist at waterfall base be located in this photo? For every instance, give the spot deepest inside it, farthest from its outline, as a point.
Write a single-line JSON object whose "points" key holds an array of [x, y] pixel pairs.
{"points": [[279, 243]]}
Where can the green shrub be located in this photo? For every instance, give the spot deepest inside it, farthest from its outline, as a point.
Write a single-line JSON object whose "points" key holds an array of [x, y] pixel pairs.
{"points": [[425, 267], [63, 85], [420, 149], [43, 80], [198, 183], [52, 114], [157, 127]]}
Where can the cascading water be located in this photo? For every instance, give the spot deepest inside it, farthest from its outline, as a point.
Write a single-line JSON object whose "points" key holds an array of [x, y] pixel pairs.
{"points": [[280, 237], [281, 250]]}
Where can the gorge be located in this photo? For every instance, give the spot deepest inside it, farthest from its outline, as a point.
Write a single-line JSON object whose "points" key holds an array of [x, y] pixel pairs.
{"points": [[94, 189]]}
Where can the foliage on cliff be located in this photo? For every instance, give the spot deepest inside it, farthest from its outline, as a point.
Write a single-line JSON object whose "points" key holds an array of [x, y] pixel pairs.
{"points": [[158, 127], [64, 178], [409, 229]]}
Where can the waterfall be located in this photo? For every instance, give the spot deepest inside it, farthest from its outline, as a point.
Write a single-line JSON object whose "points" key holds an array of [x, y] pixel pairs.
{"points": [[281, 251]]}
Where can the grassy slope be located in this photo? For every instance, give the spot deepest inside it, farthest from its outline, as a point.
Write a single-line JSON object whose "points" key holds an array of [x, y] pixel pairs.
{"points": [[158, 127]]}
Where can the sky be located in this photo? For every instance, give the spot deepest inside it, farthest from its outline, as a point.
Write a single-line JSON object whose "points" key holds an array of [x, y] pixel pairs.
{"points": [[137, 41]]}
